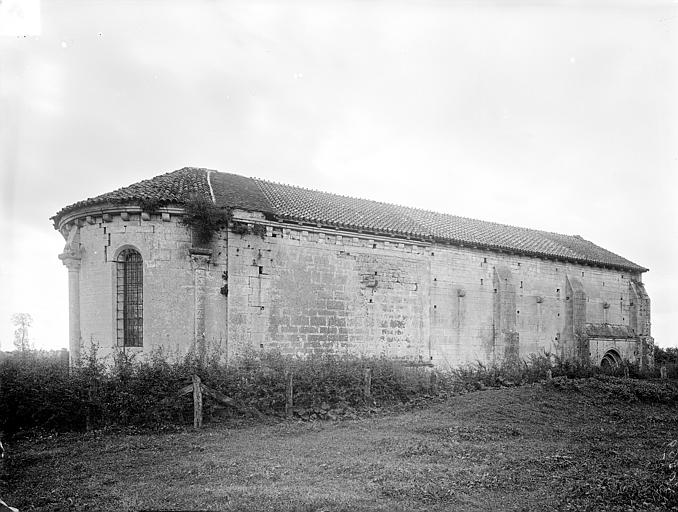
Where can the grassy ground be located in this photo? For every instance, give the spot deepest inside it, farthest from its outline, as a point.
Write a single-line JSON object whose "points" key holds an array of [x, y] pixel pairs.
{"points": [[528, 448]]}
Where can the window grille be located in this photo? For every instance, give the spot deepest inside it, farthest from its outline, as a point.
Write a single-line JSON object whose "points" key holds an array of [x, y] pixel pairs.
{"points": [[130, 299]]}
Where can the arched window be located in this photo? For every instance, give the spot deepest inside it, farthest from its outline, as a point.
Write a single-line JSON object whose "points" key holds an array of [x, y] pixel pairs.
{"points": [[130, 299]]}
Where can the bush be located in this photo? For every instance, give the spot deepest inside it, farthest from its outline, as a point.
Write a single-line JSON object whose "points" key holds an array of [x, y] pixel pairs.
{"points": [[534, 368], [204, 218], [38, 391], [667, 357]]}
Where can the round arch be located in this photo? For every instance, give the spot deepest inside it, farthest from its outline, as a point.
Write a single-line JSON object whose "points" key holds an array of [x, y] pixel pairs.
{"points": [[126, 247]]}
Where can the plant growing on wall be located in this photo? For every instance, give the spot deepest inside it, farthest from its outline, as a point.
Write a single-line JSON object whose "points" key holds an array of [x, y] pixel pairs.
{"points": [[242, 229], [259, 230], [150, 205], [204, 218]]}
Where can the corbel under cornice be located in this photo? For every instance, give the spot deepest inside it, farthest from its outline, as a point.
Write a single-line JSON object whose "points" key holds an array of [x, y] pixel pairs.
{"points": [[87, 214]]}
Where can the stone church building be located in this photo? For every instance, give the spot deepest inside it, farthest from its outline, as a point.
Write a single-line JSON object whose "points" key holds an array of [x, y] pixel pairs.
{"points": [[302, 271]]}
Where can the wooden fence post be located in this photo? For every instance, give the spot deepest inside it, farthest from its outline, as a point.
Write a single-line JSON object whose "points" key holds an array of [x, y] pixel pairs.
{"points": [[91, 391], [367, 390], [64, 359], [662, 372], [433, 382], [289, 394], [199, 389], [197, 402]]}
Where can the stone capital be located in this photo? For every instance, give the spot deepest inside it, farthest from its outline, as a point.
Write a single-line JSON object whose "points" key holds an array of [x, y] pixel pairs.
{"points": [[71, 261], [200, 258]]}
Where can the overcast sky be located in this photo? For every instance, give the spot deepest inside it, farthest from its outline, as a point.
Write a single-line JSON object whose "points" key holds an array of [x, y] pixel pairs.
{"points": [[559, 116]]}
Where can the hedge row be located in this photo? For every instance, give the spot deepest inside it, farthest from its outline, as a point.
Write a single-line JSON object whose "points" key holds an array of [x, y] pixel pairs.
{"points": [[37, 391], [41, 392]]}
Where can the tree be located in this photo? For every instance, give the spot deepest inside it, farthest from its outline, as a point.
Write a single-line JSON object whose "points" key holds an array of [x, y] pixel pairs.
{"points": [[22, 321], [664, 356]]}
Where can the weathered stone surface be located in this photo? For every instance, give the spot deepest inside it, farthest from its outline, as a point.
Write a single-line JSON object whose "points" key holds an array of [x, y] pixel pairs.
{"points": [[305, 289]]}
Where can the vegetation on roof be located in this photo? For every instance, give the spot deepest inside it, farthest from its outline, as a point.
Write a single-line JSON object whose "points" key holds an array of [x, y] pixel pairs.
{"points": [[204, 219]]}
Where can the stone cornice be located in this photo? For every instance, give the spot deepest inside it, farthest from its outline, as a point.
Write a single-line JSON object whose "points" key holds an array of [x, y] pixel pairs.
{"points": [[395, 238], [293, 226], [81, 215]]}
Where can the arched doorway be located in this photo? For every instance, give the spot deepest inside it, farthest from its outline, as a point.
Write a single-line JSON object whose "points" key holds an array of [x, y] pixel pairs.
{"points": [[611, 359]]}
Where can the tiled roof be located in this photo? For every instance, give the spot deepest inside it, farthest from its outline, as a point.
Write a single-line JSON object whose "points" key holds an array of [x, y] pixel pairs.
{"points": [[234, 191], [172, 187], [305, 205], [297, 204]]}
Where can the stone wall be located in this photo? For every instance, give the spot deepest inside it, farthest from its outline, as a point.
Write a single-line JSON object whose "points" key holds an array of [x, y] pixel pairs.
{"points": [[303, 289], [169, 277]]}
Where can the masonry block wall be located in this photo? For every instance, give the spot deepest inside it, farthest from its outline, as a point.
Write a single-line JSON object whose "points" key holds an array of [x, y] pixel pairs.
{"points": [[469, 327], [169, 285], [305, 289]]}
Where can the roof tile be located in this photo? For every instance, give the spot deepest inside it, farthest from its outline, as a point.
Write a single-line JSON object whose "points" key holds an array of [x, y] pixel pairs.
{"points": [[298, 204], [332, 209], [172, 187]]}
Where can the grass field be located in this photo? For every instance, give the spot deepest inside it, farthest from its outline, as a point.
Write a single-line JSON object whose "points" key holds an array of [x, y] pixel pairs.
{"points": [[525, 448]]}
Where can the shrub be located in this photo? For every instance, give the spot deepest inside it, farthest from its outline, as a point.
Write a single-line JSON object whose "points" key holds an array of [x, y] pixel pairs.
{"points": [[37, 391], [40, 393], [667, 357], [204, 218], [508, 372]]}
